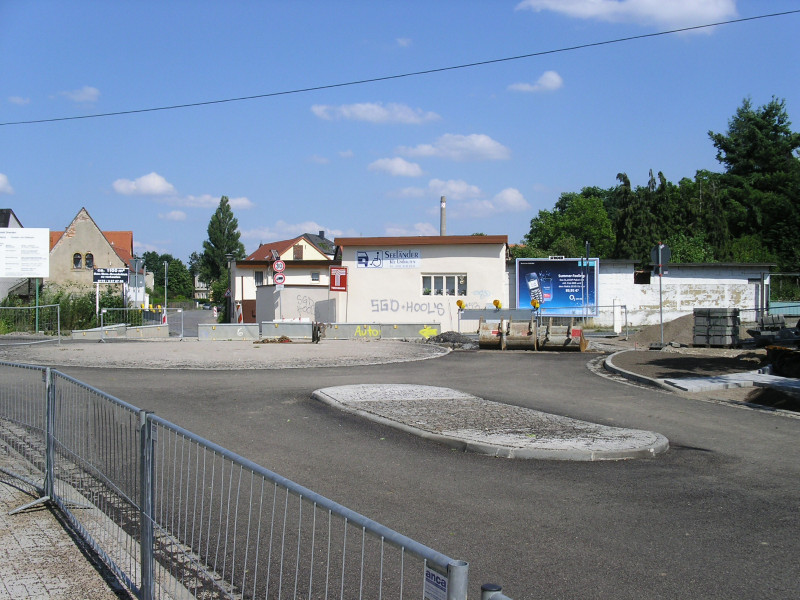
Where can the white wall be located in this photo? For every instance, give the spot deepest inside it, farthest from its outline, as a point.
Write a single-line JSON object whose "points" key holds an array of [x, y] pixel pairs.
{"points": [[683, 288], [395, 295]]}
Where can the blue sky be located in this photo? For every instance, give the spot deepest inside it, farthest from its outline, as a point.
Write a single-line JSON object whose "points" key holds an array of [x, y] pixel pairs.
{"points": [[501, 141]]}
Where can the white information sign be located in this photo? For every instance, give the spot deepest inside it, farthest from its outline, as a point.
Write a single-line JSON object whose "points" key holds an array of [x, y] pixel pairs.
{"points": [[24, 252], [435, 585], [389, 259]]}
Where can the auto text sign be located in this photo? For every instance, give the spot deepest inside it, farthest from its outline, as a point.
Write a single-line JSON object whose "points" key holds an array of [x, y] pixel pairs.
{"points": [[388, 259], [435, 585], [110, 275], [338, 279], [24, 252]]}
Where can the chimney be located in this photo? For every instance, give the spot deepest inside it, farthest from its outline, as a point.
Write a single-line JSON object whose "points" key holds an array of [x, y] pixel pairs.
{"points": [[322, 234], [442, 219]]}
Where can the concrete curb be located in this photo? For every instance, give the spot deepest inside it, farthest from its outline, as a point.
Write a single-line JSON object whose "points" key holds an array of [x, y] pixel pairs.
{"points": [[617, 441], [609, 365]]}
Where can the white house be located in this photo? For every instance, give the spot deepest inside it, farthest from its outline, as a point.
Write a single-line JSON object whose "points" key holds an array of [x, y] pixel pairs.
{"points": [[306, 259], [395, 280]]}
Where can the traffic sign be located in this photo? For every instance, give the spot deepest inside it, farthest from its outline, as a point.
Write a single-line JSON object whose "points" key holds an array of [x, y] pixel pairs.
{"points": [[279, 266], [338, 279], [279, 278]]}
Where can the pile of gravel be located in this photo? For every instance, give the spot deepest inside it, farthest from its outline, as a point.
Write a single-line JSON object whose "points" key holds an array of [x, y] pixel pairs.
{"points": [[454, 340], [679, 331]]}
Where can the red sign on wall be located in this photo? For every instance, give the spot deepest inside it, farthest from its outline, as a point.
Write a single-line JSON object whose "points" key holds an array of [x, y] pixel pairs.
{"points": [[338, 281]]}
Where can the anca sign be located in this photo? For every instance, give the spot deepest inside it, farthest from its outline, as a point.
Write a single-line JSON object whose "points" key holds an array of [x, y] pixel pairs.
{"points": [[563, 287], [338, 279]]}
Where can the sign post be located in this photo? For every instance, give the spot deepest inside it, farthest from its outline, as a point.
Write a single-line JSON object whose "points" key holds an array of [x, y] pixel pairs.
{"points": [[659, 256], [110, 275]]}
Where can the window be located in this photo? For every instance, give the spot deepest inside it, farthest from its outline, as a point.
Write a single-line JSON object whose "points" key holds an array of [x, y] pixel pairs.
{"points": [[77, 261], [259, 276], [444, 285], [315, 276], [297, 252], [89, 260]]}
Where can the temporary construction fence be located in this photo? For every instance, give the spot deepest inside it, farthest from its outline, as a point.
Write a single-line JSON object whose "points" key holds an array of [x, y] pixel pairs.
{"points": [[176, 516], [140, 317], [32, 320]]}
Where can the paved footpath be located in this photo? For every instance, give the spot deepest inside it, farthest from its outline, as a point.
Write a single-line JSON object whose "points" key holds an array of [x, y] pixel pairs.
{"points": [[38, 557]]}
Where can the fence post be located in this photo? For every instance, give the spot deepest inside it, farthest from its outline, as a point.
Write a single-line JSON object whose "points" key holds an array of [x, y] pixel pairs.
{"points": [[146, 504], [457, 580], [50, 421]]}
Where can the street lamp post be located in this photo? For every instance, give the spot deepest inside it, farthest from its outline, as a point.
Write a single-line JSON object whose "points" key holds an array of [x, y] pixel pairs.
{"points": [[166, 281]]}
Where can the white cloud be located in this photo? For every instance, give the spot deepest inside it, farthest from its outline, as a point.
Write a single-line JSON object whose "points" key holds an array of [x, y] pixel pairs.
{"points": [[461, 148], [175, 215], [19, 100], [242, 203], [141, 247], [415, 230], [208, 201], [403, 42], [510, 200], [453, 189], [396, 166], [86, 94], [466, 201], [457, 189], [671, 13], [283, 231], [5, 187], [548, 82], [154, 184], [375, 112], [151, 184]]}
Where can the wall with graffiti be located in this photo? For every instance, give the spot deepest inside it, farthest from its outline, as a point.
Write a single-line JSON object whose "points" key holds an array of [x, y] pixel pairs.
{"points": [[422, 283]]}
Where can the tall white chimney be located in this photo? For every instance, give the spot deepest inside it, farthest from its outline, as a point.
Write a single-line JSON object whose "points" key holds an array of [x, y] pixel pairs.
{"points": [[442, 218]]}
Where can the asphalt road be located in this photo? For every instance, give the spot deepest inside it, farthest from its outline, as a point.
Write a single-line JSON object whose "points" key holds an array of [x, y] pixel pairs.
{"points": [[714, 517]]}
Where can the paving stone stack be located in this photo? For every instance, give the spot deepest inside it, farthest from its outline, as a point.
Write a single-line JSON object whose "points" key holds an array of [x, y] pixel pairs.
{"points": [[717, 327]]}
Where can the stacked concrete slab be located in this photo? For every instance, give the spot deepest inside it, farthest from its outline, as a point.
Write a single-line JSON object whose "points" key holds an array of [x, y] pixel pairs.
{"points": [[717, 327]]}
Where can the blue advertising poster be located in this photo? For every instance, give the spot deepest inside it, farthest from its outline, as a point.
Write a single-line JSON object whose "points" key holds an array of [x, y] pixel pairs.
{"points": [[563, 287]]}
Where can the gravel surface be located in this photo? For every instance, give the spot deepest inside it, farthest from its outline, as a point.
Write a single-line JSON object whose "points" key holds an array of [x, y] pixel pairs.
{"points": [[219, 355]]}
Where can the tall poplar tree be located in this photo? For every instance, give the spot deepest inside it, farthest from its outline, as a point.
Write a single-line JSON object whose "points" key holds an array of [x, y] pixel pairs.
{"points": [[223, 240]]}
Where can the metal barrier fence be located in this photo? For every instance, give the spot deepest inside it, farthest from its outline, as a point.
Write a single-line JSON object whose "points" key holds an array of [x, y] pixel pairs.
{"points": [[176, 516], [45, 319], [139, 317]]}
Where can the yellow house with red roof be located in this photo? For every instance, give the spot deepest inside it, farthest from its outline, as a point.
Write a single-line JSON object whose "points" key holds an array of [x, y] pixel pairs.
{"points": [[83, 247]]}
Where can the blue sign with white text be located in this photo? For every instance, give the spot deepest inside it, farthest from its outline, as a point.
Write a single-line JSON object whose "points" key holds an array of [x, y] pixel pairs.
{"points": [[562, 287]]}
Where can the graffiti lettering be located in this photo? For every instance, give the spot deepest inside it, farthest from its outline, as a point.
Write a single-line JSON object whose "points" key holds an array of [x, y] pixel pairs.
{"points": [[305, 304], [366, 331], [428, 308]]}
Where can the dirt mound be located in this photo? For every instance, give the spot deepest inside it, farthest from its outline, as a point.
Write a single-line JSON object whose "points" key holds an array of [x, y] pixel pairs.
{"points": [[453, 339], [680, 331]]}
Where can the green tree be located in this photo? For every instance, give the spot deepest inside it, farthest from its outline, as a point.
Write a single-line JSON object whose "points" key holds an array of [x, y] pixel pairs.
{"points": [[576, 219], [194, 263], [762, 179], [635, 224], [223, 240], [179, 281], [689, 249]]}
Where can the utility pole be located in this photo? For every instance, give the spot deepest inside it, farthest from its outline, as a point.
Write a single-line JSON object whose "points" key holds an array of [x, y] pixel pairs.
{"points": [[166, 280]]}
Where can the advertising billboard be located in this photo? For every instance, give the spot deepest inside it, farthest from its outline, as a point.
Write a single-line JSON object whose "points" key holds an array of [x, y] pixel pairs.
{"points": [[24, 252], [563, 287]]}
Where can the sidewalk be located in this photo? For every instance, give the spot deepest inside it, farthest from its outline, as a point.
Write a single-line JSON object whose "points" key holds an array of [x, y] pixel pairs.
{"points": [[39, 560]]}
